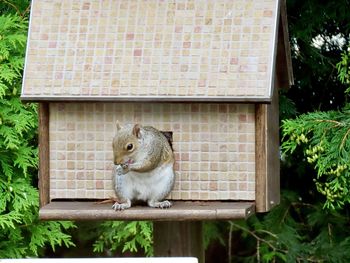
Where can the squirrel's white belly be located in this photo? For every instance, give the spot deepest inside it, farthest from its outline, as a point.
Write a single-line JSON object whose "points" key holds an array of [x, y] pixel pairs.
{"points": [[145, 186]]}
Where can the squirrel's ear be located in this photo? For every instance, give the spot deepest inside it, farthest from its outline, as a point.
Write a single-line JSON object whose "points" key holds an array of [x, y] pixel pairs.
{"points": [[118, 126], [137, 130]]}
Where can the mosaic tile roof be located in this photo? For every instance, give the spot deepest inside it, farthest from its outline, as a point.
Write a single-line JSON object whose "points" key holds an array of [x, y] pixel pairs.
{"points": [[148, 50]]}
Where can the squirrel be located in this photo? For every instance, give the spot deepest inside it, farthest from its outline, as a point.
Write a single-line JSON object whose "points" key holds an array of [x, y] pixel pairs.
{"points": [[143, 166]]}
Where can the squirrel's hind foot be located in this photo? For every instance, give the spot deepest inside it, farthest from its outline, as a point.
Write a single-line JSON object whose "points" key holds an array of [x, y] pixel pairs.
{"points": [[121, 206], [164, 204]]}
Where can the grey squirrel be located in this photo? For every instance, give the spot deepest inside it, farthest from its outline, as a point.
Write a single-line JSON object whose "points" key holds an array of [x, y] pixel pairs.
{"points": [[143, 166]]}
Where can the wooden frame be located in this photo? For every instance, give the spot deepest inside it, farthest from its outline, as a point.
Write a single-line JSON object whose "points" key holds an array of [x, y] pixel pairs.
{"points": [[267, 170], [267, 182], [182, 210], [88, 210], [44, 154]]}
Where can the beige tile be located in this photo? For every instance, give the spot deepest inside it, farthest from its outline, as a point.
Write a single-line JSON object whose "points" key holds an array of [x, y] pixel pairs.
{"points": [[213, 154], [74, 55]]}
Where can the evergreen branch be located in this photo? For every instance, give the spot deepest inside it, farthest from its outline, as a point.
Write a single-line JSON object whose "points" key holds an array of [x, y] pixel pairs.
{"points": [[324, 136], [330, 233], [267, 242], [27, 10], [299, 204], [13, 6], [127, 236], [344, 139], [22, 234], [284, 215], [309, 259], [267, 232], [230, 243], [331, 121]]}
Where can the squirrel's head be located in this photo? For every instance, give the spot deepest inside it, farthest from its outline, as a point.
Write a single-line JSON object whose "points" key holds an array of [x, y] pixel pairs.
{"points": [[126, 143]]}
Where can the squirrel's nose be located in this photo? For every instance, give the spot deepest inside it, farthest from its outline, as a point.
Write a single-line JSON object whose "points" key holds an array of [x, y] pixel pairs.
{"points": [[118, 161]]}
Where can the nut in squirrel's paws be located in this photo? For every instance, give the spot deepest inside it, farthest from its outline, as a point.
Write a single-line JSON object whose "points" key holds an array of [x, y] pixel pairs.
{"points": [[119, 207], [121, 169]]}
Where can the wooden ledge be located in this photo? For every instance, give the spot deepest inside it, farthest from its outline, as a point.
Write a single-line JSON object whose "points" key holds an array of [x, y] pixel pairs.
{"points": [[180, 211]]}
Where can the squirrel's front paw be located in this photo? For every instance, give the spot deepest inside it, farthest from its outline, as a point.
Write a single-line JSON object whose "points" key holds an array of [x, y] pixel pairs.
{"points": [[121, 169], [119, 207], [156, 204]]}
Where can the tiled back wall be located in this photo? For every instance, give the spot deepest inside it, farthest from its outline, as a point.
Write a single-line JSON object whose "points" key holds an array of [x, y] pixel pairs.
{"points": [[214, 146]]}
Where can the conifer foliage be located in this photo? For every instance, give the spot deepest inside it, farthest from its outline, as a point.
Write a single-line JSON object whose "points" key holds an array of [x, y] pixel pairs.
{"points": [[21, 233], [134, 236], [324, 137]]}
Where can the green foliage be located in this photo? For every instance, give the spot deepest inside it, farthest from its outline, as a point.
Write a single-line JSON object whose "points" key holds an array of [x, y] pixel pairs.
{"points": [[12, 42], [344, 70], [19, 7], [286, 107], [295, 232], [125, 236], [319, 33], [299, 229], [326, 146], [212, 232], [21, 233]]}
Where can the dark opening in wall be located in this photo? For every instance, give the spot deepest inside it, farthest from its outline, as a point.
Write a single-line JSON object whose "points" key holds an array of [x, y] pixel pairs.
{"points": [[169, 136]]}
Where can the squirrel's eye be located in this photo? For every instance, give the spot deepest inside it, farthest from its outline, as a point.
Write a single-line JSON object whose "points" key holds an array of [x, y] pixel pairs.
{"points": [[129, 147]]}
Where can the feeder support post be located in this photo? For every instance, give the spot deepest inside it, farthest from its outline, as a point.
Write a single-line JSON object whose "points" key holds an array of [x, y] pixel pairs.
{"points": [[179, 239]]}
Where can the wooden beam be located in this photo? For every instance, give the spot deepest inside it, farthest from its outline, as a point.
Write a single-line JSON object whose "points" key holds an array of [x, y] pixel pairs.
{"points": [[44, 154], [260, 157], [155, 99], [180, 211], [284, 66], [179, 239], [267, 161]]}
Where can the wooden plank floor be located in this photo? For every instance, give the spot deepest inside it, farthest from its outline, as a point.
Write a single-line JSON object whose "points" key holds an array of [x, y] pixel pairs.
{"points": [[180, 211]]}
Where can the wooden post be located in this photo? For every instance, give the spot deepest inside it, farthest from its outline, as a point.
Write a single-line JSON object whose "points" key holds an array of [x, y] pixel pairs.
{"points": [[179, 239], [267, 163], [44, 154]]}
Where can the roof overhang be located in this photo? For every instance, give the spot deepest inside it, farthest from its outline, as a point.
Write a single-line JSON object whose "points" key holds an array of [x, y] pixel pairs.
{"points": [[205, 51]]}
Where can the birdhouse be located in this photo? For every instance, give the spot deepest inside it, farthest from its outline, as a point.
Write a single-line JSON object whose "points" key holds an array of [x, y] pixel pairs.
{"points": [[206, 71]]}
